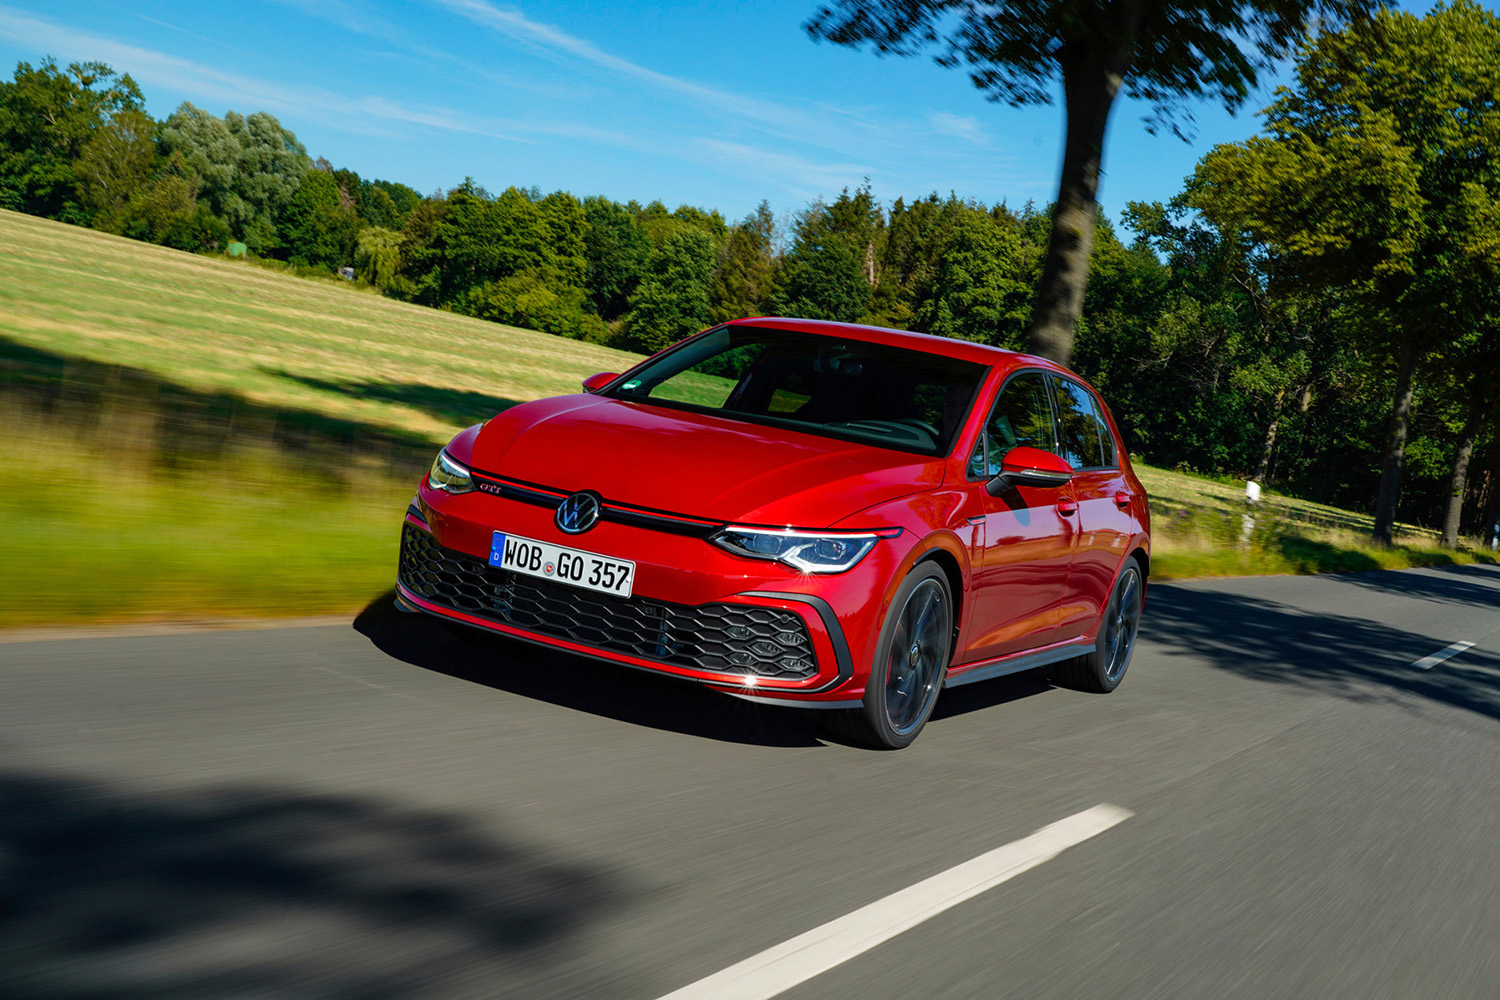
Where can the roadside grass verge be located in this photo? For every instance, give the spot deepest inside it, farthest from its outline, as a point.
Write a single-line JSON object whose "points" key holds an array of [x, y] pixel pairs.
{"points": [[187, 437], [98, 533], [1199, 529], [1179, 554]]}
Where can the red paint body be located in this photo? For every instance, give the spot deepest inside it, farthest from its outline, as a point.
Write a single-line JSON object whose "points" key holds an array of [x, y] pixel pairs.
{"points": [[1031, 568]]}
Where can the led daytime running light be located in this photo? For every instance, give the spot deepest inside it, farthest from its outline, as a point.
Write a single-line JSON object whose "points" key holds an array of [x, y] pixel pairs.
{"points": [[449, 476], [808, 551]]}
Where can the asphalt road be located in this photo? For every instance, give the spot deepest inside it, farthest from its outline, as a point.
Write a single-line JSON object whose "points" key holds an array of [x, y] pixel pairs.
{"points": [[394, 809]]}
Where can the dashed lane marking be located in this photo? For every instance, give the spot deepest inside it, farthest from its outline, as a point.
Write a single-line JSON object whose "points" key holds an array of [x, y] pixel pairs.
{"points": [[1447, 652], [778, 969]]}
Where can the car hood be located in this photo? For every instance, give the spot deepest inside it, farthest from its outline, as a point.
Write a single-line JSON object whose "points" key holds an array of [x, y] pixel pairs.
{"points": [[695, 463]]}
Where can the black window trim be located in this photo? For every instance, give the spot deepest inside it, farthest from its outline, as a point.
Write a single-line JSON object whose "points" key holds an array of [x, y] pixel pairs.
{"points": [[984, 427], [1099, 423]]}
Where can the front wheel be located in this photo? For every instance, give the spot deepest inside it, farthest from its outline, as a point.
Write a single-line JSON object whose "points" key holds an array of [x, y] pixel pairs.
{"points": [[1101, 670], [911, 660]]}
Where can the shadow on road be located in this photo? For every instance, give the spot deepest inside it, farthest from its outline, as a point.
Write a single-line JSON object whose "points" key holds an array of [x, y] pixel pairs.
{"points": [[1361, 659], [265, 892], [578, 683], [1475, 585]]}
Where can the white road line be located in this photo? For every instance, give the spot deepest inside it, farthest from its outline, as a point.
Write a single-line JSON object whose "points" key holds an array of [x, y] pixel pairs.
{"points": [[1428, 662], [778, 969]]}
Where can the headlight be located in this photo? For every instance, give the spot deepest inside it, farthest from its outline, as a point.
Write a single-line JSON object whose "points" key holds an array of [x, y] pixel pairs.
{"points": [[449, 476], [808, 551]]}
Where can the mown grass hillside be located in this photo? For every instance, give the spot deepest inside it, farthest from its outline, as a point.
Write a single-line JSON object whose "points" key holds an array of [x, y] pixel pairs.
{"points": [[191, 437], [279, 342]]}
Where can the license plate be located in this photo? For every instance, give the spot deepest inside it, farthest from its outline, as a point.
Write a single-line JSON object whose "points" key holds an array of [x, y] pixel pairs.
{"points": [[527, 556]]}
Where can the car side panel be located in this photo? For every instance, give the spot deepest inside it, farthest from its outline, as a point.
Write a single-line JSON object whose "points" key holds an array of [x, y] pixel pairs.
{"points": [[1104, 532], [1021, 570]]}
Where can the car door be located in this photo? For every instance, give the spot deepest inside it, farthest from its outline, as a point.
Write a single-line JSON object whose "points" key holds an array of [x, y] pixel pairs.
{"points": [[1027, 542], [1103, 497]]}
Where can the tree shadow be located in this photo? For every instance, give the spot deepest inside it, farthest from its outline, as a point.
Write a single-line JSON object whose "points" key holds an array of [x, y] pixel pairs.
{"points": [[1475, 585], [266, 892], [1321, 556], [458, 406], [1359, 659], [138, 409], [581, 684]]}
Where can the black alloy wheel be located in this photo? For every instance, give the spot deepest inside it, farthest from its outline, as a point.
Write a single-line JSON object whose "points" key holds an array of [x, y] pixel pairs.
{"points": [[911, 660], [1101, 670]]}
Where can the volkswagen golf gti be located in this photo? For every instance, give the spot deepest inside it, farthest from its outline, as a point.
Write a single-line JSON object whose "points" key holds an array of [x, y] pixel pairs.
{"points": [[800, 513]]}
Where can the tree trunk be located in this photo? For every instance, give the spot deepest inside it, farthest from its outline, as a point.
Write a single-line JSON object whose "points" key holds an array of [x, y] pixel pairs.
{"points": [[1459, 482], [1395, 449], [1264, 469], [1092, 75]]}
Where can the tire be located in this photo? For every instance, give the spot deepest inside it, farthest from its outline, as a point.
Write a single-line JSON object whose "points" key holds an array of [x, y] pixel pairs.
{"points": [[911, 661], [1101, 670]]}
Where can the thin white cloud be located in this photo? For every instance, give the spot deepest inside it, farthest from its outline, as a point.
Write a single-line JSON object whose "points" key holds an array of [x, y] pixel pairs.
{"points": [[181, 30], [965, 127], [362, 21], [806, 178], [368, 115], [783, 120]]}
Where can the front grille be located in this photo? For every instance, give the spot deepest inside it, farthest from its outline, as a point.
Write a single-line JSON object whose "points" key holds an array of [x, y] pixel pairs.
{"points": [[726, 638]]}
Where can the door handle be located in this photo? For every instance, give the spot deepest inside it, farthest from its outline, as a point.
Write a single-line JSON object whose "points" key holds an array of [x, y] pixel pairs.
{"points": [[1067, 507], [1122, 500]]}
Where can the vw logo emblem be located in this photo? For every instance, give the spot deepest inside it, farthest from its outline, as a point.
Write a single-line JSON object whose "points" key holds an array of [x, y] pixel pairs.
{"points": [[578, 513]]}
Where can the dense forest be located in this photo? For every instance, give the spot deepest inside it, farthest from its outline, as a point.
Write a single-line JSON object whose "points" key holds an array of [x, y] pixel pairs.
{"points": [[1258, 325]]}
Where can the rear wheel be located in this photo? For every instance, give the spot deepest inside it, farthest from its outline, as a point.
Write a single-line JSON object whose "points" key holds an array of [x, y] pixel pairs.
{"points": [[1101, 670], [911, 660]]}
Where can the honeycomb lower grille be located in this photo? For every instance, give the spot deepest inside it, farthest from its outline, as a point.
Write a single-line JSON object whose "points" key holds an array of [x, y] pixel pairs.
{"points": [[726, 638]]}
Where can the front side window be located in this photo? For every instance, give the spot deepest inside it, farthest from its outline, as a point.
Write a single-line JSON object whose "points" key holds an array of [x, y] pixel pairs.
{"points": [[893, 397], [1021, 417], [1079, 426]]}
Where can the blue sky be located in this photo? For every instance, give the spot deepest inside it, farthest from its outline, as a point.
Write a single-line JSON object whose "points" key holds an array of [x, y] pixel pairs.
{"points": [[712, 104]]}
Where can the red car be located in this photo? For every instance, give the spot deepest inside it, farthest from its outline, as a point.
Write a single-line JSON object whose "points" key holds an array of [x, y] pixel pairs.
{"points": [[800, 513]]}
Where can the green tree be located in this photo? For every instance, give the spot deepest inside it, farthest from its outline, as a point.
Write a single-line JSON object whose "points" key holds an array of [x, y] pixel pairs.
{"points": [[377, 256], [1379, 174], [979, 291], [672, 301], [742, 281], [317, 227], [1161, 51], [166, 210], [386, 203], [117, 161], [47, 117], [830, 270], [250, 167], [615, 251]]}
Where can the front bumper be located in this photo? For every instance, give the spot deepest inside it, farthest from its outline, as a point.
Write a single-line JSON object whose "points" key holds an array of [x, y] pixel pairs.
{"points": [[765, 645]]}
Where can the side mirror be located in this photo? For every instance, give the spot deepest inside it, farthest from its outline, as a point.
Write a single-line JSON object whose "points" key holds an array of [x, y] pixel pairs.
{"points": [[1025, 466], [596, 382]]}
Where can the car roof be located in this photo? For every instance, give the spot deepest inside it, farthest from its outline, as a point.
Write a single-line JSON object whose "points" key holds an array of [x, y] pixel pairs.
{"points": [[963, 350]]}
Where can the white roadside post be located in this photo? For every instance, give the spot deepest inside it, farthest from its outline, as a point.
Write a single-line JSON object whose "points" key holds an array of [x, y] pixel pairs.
{"points": [[1247, 521]]}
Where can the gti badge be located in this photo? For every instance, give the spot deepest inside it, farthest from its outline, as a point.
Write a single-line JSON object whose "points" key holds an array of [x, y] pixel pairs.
{"points": [[578, 513]]}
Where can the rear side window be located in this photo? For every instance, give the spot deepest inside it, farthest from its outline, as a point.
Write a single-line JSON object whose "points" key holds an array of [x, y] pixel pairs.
{"points": [[1021, 417], [1085, 439]]}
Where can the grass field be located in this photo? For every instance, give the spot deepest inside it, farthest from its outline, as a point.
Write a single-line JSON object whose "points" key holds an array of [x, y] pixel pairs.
{"points": [[275, 341], [190, 437]]}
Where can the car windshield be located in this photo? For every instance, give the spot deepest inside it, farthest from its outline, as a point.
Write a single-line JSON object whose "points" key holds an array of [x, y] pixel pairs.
{"points": [[892, 397]]}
